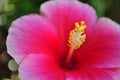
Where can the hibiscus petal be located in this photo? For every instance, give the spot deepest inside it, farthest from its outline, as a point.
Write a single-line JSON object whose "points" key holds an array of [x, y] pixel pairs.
{"points": [[45, 67], [40, 67], [31, 34], [103, 48], [92, 73], [98, 74], [65, 13], [114, 73]]}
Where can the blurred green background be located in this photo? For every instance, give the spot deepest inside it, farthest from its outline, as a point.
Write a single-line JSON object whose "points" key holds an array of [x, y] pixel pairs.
{"points": [[12, 9]]}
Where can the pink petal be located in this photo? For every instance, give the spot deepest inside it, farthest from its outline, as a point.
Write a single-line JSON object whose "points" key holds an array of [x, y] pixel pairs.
{"points": [[102, 47], [40, 67], [45, 67], [31, 34], [65, 13], [114, 73], [92, 73]]}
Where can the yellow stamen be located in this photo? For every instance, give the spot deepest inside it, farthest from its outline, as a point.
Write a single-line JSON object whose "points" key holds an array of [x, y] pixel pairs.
{"points": [[77, 35], [76, 39]]}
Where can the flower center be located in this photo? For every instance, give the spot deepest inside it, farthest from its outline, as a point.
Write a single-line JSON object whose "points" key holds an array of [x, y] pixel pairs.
{"points": [[76, 39]]}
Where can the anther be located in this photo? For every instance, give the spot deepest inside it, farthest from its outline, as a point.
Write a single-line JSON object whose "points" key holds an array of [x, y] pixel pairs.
{"points": [[77, 35]]}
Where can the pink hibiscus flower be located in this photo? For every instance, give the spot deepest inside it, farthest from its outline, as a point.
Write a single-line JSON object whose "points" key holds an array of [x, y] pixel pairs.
{"points": [[65, 42]]}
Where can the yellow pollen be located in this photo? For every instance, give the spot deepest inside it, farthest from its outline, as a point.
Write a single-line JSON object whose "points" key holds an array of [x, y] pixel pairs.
{"points": [[77, 35]]}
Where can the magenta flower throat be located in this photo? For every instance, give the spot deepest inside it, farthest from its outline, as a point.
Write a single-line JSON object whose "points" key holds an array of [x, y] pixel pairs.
{"points": [[66, 41]]}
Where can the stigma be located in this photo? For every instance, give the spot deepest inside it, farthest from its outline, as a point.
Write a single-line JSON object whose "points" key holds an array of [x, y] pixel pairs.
{"points": [[77, 36]]}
